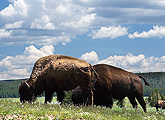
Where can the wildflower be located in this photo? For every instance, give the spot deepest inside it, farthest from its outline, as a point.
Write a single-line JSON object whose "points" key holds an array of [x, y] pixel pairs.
{"points": [[87, 113], [67, 112], [21, 106]]}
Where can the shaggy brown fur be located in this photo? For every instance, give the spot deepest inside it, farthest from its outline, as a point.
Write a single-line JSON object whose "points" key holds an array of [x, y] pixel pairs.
{"points": [[160, 104], [57, 73], [116, 83]]}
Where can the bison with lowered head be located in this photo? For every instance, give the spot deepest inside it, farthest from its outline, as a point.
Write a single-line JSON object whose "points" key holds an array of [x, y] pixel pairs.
{"points": [[57, 73], [160, 104], [115, 83]]}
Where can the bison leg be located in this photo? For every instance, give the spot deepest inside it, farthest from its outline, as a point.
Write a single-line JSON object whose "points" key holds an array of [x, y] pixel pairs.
{"points": [[108, 101], [87, 97], [133, 101], [60, 96], [48, 96], [157, 107], [142, 102]]}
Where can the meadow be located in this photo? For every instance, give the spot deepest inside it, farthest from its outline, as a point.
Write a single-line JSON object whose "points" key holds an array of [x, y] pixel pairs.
{"points": [[11, 108]]}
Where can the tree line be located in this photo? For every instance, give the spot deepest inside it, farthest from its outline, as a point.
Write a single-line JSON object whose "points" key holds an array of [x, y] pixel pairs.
{"points": [[9, 88], [156, 80]]}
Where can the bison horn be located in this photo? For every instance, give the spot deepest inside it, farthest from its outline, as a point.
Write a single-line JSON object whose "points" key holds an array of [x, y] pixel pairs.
{"points": [[27, 84]]}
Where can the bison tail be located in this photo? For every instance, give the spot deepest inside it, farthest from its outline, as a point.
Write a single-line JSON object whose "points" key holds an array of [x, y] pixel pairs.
{"points": [[145, 81]]}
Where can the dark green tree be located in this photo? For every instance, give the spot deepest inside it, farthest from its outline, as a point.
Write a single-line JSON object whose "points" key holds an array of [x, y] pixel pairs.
{"points": [[162, 97], [68, 97], [154, 97]]}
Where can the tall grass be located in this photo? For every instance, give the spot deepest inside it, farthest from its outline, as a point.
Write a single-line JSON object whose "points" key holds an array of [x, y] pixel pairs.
{"points": [[13, 109]]}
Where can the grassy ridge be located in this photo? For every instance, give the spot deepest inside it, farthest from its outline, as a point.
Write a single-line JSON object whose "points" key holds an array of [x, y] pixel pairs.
{"points": [[13, 109]]}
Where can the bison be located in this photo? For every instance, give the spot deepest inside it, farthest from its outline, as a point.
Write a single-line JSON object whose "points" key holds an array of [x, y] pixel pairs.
{"points": [[115, 83], [160, 104], [57, 73]]}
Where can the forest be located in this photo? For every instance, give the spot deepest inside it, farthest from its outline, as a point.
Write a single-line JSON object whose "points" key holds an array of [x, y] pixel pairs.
{"points": [[156, 80], [9, 88]]}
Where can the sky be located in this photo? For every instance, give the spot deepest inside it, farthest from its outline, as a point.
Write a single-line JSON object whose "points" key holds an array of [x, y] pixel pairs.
{"points": [[129, 34]]}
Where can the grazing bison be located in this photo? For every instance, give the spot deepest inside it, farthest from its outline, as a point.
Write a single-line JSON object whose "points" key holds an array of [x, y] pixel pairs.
{"points": [[57, 73], [160, 104], [77, 96], [114, 83]]}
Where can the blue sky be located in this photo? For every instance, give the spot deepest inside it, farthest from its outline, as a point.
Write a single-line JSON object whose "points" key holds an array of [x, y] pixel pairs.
{"points": [[127, 34]]}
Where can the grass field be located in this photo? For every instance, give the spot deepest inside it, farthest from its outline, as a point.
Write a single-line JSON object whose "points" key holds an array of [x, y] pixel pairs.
{"points": [[12, 109]]}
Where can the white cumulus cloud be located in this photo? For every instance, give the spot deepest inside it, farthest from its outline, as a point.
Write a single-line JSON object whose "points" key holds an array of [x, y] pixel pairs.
{"points": [[91, 57], [157, 32], [4, 33], [20, 66], [43, 23], [111, 32], [18, 7], [82, 22], [17, 24], [139, 63], [41, 19]]}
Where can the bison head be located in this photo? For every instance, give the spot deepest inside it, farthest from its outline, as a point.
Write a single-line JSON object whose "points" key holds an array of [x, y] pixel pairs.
{"points": [[26, 93]]}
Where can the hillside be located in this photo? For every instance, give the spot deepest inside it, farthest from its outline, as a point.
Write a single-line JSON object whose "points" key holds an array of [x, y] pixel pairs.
{"points": [[156, 80], [9, 88]]}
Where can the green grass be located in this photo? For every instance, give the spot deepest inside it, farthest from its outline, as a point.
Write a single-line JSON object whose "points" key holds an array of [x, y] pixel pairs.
{"points": [[12, 109]]}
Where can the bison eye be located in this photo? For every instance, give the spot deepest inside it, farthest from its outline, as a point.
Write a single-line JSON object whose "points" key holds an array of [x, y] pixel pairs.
{"points": [[85, 69]]}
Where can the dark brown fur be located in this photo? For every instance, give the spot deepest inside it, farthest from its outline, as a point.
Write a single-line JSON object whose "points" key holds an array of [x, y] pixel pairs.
{"points": [[117, 83], [160, 104], [57, 73]]}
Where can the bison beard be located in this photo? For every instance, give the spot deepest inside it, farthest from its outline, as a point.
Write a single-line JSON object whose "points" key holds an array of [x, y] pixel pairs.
{"points": [[114, 83], [58, 73]]}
